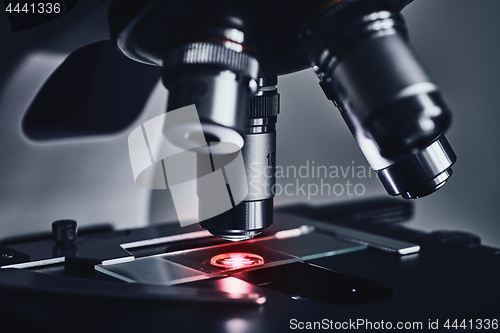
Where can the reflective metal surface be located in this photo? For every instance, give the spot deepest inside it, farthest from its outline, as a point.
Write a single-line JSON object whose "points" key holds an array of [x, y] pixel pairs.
{"points": [[422, 173], [387, 99], [255, 213]]}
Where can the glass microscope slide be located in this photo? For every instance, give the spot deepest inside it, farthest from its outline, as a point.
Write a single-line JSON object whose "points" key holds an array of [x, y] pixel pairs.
{"points": [[178, 267]]}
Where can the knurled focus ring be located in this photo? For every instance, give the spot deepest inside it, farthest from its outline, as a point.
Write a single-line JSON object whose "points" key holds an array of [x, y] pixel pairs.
{"points": [[209, 53], [264, 106]]}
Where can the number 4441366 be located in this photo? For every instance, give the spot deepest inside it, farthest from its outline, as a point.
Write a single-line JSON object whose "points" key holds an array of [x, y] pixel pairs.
{"points": [[38, 8]]}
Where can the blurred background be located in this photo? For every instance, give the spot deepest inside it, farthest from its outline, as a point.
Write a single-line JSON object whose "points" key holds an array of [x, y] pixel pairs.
{"points": [[56, 163]]}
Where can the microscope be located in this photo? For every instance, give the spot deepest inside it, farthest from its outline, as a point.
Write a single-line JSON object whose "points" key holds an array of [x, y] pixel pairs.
{"points": [[225, 56], [269, 269]]}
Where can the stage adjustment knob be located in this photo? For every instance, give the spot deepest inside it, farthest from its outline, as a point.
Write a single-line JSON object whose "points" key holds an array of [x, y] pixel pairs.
{"points": [[64, 231]]}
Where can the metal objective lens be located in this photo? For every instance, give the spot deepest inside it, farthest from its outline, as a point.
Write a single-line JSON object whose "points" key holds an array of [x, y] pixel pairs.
{"points": [[218, 79], [255, 213], [360, 52]]}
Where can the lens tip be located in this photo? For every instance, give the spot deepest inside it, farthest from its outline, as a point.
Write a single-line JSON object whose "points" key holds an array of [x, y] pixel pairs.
{"points": [[235, 235]]}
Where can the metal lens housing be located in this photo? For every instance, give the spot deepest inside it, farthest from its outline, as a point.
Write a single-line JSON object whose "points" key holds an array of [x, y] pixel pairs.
{"points": [[207, 51], [360, 51], [255, 213], [421, 173], [219, 78]]}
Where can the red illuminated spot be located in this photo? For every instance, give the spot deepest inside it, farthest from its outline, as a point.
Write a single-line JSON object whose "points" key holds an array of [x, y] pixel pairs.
{"points": [[234, 260]]}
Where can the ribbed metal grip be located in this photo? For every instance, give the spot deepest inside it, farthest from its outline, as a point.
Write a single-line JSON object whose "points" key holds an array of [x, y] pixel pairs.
{"points": [[264, 106], [209, 53]]}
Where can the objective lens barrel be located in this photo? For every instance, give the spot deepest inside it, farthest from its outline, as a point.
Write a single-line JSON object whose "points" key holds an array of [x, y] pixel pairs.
{"points": [[390, 92], [389, 102], [216, 77], [255, 213]]}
